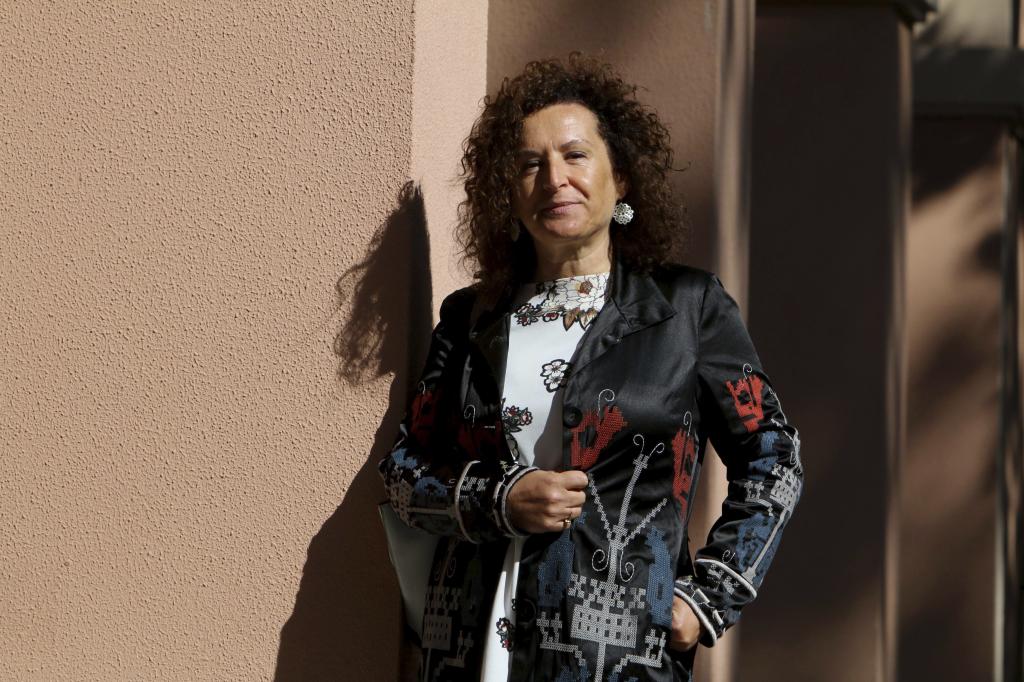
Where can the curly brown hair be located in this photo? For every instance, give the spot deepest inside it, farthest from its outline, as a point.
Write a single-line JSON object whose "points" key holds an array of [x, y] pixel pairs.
{"points": [[639, 147]]}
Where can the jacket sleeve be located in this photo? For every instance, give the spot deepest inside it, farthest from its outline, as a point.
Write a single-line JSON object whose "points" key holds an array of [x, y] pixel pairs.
{"points": [[433, 477], [742, 417]]}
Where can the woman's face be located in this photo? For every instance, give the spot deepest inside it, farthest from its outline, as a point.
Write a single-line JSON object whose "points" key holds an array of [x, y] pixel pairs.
{"points": [[565, 188]]}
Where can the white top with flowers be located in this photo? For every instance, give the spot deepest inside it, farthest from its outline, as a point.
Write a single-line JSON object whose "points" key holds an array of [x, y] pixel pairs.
{"points": [[548, 320]]}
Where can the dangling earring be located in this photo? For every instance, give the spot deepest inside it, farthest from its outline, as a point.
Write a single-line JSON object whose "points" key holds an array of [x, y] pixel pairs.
{"points": [[513, 231], [623, 213]]}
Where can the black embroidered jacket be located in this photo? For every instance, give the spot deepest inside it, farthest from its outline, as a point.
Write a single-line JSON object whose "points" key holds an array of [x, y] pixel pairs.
{"points": [[666, 366]]}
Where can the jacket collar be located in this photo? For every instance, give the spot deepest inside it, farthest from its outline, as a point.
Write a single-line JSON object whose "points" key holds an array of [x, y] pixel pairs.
{"points": [[635, 302]]}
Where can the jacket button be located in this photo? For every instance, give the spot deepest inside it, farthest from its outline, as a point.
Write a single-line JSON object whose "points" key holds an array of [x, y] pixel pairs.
{"points": [[571, 416], [526, 611]]}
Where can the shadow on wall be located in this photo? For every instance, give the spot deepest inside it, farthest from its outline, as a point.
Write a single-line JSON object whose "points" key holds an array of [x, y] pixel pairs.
{"points": [[821, 203], [346, 619], [954, 280]]}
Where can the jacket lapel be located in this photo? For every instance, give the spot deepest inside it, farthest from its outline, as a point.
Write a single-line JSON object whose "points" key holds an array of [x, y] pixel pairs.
{"points": [[634, 303]]}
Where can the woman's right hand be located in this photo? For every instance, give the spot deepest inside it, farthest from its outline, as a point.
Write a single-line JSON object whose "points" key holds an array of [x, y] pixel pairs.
{"points": [[540, 501]]}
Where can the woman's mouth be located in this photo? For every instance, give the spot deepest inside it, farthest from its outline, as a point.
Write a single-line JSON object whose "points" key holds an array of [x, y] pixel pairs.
{"points": [[559, 209]]}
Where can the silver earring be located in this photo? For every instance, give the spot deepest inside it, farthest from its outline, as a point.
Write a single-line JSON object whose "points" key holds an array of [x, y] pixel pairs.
{"points": [[513, 231], [623, 213]]}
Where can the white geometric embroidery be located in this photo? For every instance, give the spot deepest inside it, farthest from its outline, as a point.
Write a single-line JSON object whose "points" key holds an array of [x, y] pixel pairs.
{"points": [[786, 489], [784, 492], [726, 575], [437, 617], [608, 614]]}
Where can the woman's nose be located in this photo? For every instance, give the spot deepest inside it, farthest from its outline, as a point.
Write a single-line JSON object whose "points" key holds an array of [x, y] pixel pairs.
{"points": [[554, 174]]}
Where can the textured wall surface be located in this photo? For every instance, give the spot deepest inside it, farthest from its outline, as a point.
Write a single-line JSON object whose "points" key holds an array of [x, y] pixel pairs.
{"points": [[187, 399], [450, 82]]}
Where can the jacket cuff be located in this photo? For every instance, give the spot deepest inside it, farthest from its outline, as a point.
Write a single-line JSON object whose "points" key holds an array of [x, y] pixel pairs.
{"points": [[712, 625], [480, 498], [465, 502], [500, 507]]}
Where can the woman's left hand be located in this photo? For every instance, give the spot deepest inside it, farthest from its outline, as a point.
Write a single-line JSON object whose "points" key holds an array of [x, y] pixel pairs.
{"points": [[685, 626]]}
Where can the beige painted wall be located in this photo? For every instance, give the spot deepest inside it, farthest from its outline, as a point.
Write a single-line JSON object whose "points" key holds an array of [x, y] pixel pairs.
{"points": [[187, 399], [450, 82], [226, 234]]}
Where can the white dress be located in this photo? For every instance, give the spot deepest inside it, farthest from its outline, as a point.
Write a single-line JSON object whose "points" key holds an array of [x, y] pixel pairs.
{"points": [[548, 320]]}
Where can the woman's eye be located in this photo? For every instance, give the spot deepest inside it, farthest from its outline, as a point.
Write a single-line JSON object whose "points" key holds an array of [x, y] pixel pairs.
{"points": [[576, 155]]}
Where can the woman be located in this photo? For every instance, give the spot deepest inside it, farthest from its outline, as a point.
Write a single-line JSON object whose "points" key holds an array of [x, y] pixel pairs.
{"points": [[558, 430]]}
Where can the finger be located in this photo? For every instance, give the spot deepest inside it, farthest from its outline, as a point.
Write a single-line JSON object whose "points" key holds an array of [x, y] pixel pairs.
{"points": [[558, 514], [570, 513], [559, 524], [679, 645], [574, 480], [678, 641], [569, 502], [575, 499]]}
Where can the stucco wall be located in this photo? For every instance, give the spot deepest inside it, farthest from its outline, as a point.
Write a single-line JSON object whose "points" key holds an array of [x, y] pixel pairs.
{"points": [[203, 221]]}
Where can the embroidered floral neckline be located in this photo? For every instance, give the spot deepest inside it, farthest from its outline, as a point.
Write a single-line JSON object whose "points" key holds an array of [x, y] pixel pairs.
{"points": [[593, 276], [573, 299]]}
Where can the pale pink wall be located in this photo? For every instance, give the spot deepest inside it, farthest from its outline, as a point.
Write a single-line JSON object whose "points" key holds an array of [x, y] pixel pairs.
{"points": [[450, 81], [191, 410]]}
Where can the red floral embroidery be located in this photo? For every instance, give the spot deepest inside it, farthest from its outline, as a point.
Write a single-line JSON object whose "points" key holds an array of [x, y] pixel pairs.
{"points": [[464, 437], [684, 447], [599, 431], [481, 441], [746, 396], [423, 414]]}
